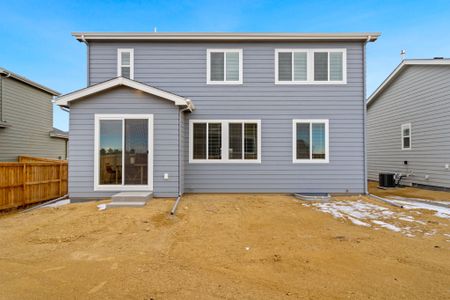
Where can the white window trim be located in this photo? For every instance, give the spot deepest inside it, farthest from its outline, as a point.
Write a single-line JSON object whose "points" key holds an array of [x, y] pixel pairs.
{"points": [[404, 126], [122, 187], [208, 66], [225, 143], [294, 141], [119, 61], [310, 66]]}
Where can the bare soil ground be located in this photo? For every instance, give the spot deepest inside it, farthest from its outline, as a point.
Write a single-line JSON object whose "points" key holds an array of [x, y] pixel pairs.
{"points": [[217, 246], [409, 192]]}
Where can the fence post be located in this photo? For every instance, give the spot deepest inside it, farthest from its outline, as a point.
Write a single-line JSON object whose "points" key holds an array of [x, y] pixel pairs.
{"points": [[24, 184], [60, 180]]}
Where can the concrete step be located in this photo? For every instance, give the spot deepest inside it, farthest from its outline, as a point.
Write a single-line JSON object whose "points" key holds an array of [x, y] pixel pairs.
{"points": [[132, 197], [125, 204]]}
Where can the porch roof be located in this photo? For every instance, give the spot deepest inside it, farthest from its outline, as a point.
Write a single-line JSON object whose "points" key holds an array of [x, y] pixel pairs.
{"points": [[64, 100]]}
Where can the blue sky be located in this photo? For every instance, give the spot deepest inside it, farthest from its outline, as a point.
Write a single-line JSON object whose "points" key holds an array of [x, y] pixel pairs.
{"points": [[36, 41]]}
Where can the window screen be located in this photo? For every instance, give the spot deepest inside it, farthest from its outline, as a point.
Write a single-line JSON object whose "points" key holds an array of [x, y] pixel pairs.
{"points": [[224, 66], [321, 66], [285, 66]]}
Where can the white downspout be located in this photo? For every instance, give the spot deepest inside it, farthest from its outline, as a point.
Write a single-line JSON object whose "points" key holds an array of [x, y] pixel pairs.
{"points": [[180, 144], [87, 59], [366, 189]]}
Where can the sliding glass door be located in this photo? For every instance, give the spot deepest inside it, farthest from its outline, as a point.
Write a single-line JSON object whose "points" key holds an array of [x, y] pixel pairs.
{"points": [[136, 152], [122, 151]]}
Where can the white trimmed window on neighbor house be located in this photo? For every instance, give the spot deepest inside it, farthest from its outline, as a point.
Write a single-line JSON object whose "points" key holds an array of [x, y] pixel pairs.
{"points": [[406, 136], [224, 66], [225, 141], [310, 141]]}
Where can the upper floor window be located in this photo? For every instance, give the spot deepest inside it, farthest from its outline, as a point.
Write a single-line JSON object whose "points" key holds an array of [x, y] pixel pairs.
{"points": [[310, 66], [310, 141], [224, 66], [406, 136], [125, 63]]}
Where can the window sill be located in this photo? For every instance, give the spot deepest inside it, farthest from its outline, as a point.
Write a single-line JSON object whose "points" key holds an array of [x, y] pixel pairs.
{"points": [[224, 82], [118, 188], [310, 82], [224, 161], [309, 161]]}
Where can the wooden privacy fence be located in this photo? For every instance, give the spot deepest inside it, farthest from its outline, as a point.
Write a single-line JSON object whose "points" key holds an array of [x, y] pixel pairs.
{"points": [[31, 180]]}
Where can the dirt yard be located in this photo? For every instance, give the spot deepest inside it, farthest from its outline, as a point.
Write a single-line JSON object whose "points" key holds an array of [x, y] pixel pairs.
{"points": [[224, 246], [409, 192]]}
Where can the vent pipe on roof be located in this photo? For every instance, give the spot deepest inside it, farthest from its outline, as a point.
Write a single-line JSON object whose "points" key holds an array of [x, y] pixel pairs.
{"points": [[403, 54]]}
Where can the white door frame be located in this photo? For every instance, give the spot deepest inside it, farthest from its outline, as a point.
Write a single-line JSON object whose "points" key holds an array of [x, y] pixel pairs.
{"points": [[122, 187]]}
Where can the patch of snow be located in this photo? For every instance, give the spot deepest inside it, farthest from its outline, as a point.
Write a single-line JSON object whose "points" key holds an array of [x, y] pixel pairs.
{"points": [[101, 206], [358, 222], [58, 203], [433, 232], [387, 225], [441, 212], [366, 214]]}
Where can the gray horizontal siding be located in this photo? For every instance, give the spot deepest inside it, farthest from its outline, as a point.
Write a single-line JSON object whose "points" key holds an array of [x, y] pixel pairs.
{"points": [[420, 96], [122, 101], [181, 68], [29, 112]]}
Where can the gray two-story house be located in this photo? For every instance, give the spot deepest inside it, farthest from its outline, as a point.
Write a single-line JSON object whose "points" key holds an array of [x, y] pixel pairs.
{"points": [[219, 113], [26, 119], [409, 124]]}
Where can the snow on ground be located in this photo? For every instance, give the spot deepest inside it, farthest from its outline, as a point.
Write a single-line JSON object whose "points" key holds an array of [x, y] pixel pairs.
{"points": [[58, 203], [366, 214], [441, 211]]}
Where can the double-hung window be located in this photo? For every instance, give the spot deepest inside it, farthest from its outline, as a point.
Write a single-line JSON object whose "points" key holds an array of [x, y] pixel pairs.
{"points": [[125, 63], [224, 66], [310, 66], [310, 141], [406, 136], [230, 141]]}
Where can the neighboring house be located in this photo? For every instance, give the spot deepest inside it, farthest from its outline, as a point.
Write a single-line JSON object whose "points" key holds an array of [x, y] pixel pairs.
{"points": [[26, 120], [219, 113], [409, 124]]}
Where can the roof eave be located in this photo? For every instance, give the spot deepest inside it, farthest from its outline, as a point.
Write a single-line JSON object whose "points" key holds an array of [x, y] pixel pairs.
{"points": [[394, 74], [64, 100], [58, 135], [222, 36], [25, 80]]}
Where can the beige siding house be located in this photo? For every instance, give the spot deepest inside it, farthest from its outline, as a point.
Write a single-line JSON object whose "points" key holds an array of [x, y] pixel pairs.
{"points": [[26, 120]]}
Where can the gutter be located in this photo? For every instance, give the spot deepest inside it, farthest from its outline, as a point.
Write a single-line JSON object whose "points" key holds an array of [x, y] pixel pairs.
{"points": [[58, 135], [226, 36], [88, 57]]}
